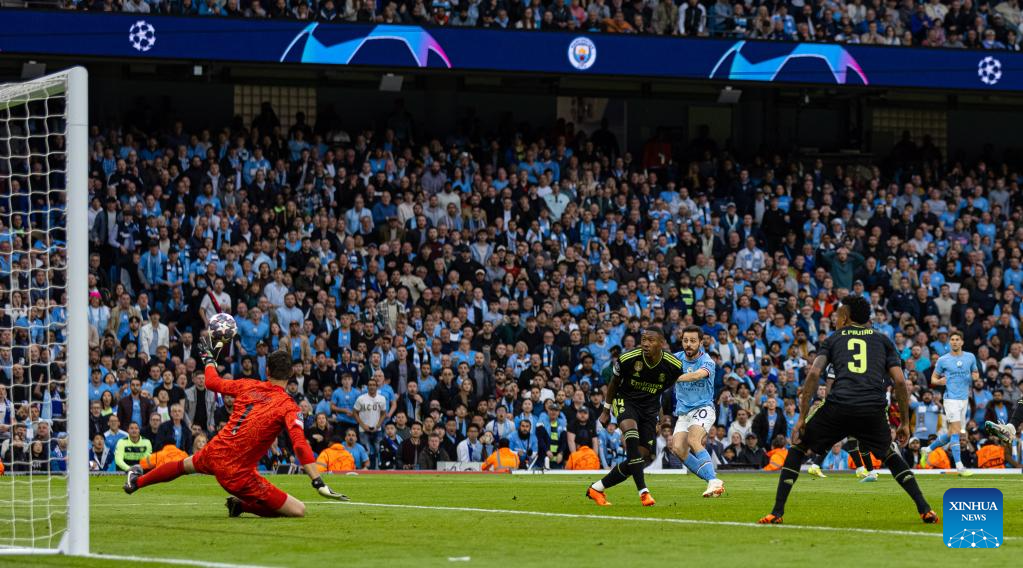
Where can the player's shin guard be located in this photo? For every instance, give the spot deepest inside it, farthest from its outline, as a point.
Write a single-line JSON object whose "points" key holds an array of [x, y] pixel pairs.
{"points": [[939, 442], [866, 459], [618, 474], [854, 455], [168, 471], [699, 463], [904, 476], [789, 475], [956, 450], [705, 456], [636, 461]]}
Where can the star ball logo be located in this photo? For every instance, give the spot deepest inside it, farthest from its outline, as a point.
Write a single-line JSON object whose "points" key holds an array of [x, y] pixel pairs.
{"points": [[142, 36], [989, 70], [582, 53], [973, 518]]}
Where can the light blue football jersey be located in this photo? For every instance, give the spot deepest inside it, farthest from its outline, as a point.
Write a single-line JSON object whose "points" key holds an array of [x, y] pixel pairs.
{"points": [[696, 394], [959, 372]]}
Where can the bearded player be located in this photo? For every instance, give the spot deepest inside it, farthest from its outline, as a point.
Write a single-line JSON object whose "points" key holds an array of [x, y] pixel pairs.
{"points": [[694, 406], [856, 406], [261, 410]]}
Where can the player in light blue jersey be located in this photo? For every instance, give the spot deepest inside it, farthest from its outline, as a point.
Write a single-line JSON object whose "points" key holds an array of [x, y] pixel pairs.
{"points": [[694, 406], [955, 371]]}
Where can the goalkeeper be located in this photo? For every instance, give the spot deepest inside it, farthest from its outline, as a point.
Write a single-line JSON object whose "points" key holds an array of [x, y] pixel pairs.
{"points": [[261, 409]]}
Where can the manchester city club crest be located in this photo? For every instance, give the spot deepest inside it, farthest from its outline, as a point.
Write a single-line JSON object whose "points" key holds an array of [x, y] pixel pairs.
{"points": [[959, 363], [582, 53]]}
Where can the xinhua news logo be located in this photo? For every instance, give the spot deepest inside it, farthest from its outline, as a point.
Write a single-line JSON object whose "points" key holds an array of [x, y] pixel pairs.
{"points": [[973, 518]]}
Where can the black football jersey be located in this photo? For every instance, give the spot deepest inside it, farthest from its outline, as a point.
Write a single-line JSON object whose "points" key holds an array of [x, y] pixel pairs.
{"points": [[642, 383], [860, 358]]}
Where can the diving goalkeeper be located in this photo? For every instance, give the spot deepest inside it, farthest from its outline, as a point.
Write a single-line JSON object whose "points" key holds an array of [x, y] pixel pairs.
{"points": [[261, 409]]}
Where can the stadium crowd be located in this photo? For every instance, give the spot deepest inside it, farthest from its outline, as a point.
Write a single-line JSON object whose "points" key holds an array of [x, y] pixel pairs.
{"points": [[459, 298], [935, 23]]}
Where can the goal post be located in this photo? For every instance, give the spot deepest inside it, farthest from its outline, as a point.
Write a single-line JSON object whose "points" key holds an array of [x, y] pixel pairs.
{"points": [[76, 539], [44, 336]]}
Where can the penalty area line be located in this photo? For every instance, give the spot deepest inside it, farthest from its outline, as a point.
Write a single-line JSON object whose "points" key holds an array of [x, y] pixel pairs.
{"points": [[174, 561], [639, 519]]}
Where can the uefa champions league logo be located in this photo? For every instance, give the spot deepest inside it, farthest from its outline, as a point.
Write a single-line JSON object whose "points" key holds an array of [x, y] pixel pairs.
{"points": [[582, 53], [989, 70], [142, 36]]}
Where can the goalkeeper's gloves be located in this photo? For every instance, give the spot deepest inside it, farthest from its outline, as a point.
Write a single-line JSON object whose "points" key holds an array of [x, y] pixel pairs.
{"points": [[206, 352], [322, 488]]}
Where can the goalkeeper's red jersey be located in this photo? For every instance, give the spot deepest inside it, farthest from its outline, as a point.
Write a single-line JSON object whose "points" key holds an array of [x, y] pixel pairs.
{"points": [[261, 410]]}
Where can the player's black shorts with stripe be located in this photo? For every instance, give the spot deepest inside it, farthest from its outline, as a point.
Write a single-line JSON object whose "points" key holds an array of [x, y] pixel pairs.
{"points": [[645, 417], [829, 423]]}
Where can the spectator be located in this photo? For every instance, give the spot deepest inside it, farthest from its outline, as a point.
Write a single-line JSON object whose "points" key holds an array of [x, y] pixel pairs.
{"points": [[471, 449], [432, 453], [132, 449], [692, 18], [175, 431], [837, 459], [524, 443], [370, 413], [114, 433], [320, 434], [390, 448], [153, 334], [770, 421], [359, 453], [752, 454], [100, 456], [200, 403], [412, 446]]}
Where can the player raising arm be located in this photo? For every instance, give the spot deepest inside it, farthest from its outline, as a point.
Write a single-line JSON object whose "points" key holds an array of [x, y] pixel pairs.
{"points": [[856, 405], [955, 371], [261, 409], [694, 406]]}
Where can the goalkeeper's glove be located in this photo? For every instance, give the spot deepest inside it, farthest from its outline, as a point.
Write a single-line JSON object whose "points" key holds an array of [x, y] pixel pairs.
{"points": [[206, 352], [323, 489]]}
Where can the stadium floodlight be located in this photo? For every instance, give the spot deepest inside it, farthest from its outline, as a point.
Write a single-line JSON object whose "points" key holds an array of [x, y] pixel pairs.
{"points": [[44, 159]]}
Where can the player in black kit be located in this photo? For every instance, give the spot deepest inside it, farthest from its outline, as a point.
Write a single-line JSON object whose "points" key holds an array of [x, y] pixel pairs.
{"points": [[1007, 432], [856, 405], [638, 379]]}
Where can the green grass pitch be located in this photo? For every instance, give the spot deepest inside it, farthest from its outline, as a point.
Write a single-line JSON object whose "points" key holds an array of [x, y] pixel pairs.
{"points": [[538, 520]]}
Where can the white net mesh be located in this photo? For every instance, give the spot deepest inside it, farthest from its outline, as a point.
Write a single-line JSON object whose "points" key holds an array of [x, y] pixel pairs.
{"points": [[33, 313]]}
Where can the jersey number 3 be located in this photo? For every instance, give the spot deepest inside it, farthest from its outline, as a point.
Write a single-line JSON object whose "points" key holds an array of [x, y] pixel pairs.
{"points": [[859, 349]]}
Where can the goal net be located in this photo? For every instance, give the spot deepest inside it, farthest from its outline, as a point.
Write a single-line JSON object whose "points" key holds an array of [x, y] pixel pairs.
{"points": [[43, 319]]}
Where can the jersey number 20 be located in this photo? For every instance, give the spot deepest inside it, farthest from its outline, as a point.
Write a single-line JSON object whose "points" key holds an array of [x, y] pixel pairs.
{"points": [[859, 349]]}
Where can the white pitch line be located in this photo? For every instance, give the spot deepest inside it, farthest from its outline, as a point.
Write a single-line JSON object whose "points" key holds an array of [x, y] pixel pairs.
{"points": [[175, 561], [641, 519]]}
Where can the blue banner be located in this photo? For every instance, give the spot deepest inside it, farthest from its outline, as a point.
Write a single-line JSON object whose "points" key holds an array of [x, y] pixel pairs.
{"points": [[126, 36]]}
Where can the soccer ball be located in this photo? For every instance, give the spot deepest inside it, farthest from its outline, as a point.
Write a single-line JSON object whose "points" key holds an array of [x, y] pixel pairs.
{"points": [[142, 36], [223, 328], [989, 70]]}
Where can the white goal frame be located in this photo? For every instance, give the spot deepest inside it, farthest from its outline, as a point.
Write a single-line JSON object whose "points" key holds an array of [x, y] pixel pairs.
{"points": [[75, 83]]}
